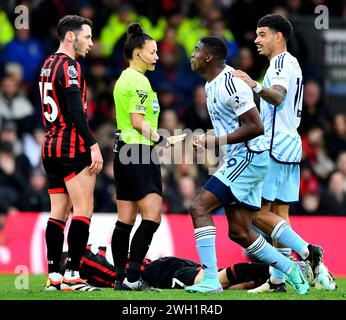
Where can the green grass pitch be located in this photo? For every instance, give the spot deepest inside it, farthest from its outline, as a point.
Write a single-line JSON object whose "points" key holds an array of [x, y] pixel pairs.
{"points": [[35, 291]]}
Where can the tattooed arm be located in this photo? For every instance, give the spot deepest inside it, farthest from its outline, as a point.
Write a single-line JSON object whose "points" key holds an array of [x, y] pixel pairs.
{"points": [[274, 95]]}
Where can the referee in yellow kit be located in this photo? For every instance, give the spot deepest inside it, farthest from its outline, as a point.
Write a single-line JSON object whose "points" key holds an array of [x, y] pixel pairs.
{"points": [[138, 184]]}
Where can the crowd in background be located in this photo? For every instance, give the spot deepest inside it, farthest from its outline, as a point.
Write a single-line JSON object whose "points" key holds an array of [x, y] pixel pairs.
{"points": [[176, 26]]}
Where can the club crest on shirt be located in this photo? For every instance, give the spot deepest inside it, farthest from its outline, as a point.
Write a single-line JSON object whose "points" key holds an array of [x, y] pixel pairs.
{"points": [[72, 72]]}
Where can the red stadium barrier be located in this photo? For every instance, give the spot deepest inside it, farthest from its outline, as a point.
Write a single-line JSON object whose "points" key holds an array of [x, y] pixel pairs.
{"points": [[25, 244]]}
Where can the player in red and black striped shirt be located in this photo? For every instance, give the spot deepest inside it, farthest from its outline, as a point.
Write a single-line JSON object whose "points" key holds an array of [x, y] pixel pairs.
{"points": [[71, 156], [169, 272]]}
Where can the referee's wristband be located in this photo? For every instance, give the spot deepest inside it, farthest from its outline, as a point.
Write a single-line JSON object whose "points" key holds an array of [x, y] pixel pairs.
{"points": [[258, 87], [162, 142]]}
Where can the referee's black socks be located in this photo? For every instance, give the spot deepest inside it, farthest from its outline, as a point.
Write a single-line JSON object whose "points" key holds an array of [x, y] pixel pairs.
{"points": [[139, 247], [120, 247]]}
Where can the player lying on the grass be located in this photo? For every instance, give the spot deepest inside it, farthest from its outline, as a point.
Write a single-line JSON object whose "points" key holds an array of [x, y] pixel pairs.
{"points": [[177, 273]]}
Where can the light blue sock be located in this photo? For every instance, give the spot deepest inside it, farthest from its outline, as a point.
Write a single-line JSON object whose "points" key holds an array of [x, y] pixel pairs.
{"points": [[278, 276], [205, 243], [263, 251], [285, 235]]}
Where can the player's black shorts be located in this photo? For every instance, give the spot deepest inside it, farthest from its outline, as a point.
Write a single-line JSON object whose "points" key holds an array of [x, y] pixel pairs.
{"points": [[60, 170], [136, 171], [171, 273]]}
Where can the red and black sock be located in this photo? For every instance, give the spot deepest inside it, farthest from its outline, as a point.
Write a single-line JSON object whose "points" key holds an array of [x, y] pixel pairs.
{"points": [[139, 247], [120, 246], [77, 240], [54, 242]]}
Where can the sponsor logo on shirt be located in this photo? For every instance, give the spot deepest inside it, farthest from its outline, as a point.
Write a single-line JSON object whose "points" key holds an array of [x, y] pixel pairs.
{"points": [[70, 82], [141, 108], [240, 105]]}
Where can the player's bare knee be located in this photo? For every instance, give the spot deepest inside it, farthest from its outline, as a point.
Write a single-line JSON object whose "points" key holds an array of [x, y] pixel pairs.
{"points": [[84, 209], [239, 236], [197, 210], [153, 216]]}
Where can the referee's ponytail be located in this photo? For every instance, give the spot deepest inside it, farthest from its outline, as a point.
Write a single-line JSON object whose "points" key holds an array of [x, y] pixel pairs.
{"points": [[135, 38]]}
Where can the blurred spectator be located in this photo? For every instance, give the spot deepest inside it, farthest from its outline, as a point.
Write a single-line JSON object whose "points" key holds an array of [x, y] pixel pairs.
{"points": [[217, 27], [15, 107], [32, 145], [105, 135], [98, 11], [13, 184], [186, 188], [105, 188], [168, 100], [169, 72], [8, 136], [308, 181], [292, 6], [310, 204], [246, 62], [170, 195], [310, 144], [28, 52], [14, 71], [169, 121], [50, 42], [314, 112], [341, 165], [333, 199], [6, 29], [101, 110], [314, 152], [116, 27], [336, 140], [98, 77], [186, 167], [197, 116], [37, 198], [296, 45], [170, 40], [242, 17]]}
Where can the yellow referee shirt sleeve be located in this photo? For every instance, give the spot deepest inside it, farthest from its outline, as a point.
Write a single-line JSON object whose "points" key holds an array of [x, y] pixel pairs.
{"points": [[138, 98]]}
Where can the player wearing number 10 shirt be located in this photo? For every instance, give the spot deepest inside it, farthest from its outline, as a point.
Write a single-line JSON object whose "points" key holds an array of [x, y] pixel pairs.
{"points": [[281, 107], [70, 155]]}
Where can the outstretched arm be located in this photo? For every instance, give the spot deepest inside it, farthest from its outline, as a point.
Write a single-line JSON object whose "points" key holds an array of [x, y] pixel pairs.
{"points": [[251, 127], [274, 95]]}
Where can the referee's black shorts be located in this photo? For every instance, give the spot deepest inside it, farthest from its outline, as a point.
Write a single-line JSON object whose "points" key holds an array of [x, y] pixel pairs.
{"points": [[136, 171]]}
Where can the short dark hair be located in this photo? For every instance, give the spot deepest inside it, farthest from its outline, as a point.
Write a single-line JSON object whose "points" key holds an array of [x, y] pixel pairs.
{"points": [[278, 23], [71, 23], [135, 38], [216, 46]]}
